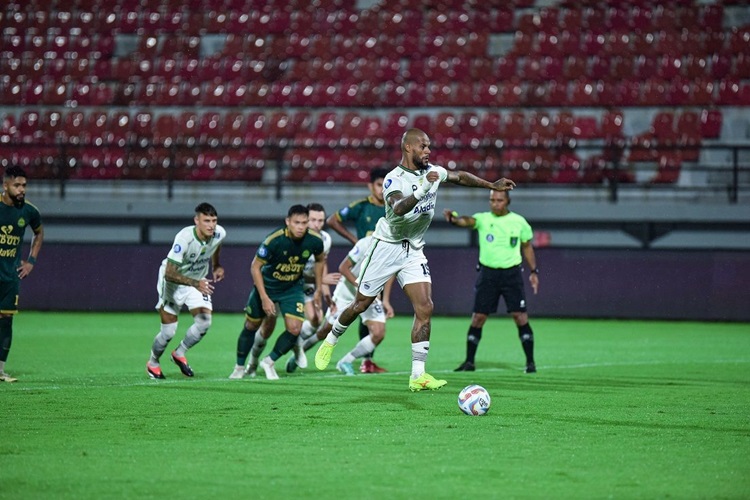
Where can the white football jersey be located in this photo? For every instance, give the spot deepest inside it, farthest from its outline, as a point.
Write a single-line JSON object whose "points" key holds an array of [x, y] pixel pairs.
{"points": [[309, 271], [345, 291], [412, 226], [191, 255]]}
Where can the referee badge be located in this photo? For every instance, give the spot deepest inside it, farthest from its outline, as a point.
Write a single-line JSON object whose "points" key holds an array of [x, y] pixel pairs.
{"points": [[513, 241]]}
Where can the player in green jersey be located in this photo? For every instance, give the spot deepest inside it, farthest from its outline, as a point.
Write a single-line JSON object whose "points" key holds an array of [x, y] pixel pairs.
{"points": [[364, 213], [277, 275], [503, 237], [15, 216]]}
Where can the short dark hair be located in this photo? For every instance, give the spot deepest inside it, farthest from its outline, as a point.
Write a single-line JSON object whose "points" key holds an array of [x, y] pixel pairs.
{"points": [[14, 171], [206, 209], [378, 173], [315, 206], [297, 209]]}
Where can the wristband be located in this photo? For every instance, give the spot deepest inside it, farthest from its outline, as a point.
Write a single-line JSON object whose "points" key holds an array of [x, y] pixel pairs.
{"points": [[31, 260], [422, 190]]}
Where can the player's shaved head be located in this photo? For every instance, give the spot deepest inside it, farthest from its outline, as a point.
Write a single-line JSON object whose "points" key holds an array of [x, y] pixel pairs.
{"points": [[412, 136]]}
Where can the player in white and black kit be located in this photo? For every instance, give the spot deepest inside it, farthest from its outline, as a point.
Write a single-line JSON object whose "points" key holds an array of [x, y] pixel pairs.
{"points": [[410, 192], [182, 282], [314, 317], [373, 317]]}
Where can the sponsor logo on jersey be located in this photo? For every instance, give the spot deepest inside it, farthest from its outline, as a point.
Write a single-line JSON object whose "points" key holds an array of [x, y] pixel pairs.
{"points": [[366, 286], [306, 254], [387, 183], [21, 222], [344, 211]]}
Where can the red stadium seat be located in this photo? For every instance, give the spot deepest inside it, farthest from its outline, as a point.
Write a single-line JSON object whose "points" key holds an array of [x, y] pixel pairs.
{"points": [[119, 130], [668, 169], [586, 127], [711, 123], [187, 128], [165, 130], [143, 128], [29, 129], [73, 127], [445, 132], [612, 125], [209, 129], [233, 129], [51, 124], [94, 131]]}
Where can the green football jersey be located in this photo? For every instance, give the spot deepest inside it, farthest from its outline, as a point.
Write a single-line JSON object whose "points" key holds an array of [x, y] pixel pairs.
{"points": [[500, 238], [365, 215], [284, 259], [13, 224]]}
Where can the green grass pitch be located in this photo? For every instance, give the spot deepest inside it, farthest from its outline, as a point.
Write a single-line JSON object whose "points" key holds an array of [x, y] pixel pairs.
{"points": [[618, 409]]}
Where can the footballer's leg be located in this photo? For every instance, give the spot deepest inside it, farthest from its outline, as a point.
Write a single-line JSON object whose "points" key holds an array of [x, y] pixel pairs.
{"points": [[254, 316], [290, 306], [163, 337], [194, 334], [250, 340], [6, 338], [201, 308], [374, 319]]}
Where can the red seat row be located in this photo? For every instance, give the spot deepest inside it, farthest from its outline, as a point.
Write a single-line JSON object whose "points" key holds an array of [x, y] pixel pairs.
{"points": [[350, 130], [242, 16], [352, 93]]}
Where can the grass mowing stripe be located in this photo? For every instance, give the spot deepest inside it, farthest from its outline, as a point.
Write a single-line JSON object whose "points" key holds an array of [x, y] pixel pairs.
{"points": [[625, 409]]}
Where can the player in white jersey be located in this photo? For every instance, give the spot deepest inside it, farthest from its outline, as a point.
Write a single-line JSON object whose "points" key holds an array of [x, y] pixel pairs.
{"points": [[314, 316], [182, 282], [373, 317], [410, 191]]}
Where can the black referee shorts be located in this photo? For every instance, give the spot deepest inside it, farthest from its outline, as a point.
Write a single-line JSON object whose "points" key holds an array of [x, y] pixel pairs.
{"points": [[492, 284]]}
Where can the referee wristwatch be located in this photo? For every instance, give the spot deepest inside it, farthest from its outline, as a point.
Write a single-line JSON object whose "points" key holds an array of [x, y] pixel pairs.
{"points": [[535, 271]]}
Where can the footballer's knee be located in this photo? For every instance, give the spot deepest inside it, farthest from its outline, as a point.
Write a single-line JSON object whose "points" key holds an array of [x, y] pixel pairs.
{"points": [[478, 320], [202, 322], [520, 318], [377, 332], [423, 309]]}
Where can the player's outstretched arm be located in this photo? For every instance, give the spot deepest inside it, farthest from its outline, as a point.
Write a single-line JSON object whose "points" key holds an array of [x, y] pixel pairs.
{"points": [[470, 180], [335, 223], [458, 220]]}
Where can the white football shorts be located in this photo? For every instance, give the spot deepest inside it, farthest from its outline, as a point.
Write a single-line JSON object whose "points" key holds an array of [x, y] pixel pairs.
{"points": [[385, 259], [373, 313], [173, 296]]}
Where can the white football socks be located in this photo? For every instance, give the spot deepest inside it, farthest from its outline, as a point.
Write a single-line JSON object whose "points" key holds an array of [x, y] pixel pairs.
{"points": [[419, 352]]}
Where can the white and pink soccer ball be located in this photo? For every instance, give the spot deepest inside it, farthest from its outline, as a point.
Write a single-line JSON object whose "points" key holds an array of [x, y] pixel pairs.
{"points": [[474, 400]]}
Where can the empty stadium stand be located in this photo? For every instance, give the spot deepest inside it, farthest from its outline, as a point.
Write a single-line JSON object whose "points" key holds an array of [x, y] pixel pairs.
{"points": [[570, 93]]}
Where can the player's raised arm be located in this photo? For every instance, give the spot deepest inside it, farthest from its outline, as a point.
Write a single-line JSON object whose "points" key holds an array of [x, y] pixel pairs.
{"points": [[462, 178]]}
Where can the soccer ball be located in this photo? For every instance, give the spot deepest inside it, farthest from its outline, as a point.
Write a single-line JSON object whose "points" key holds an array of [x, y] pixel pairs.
{"points": [[474, 400]]}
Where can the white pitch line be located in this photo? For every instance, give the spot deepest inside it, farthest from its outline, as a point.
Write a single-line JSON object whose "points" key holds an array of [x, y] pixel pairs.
{"points": [[179, 380]]}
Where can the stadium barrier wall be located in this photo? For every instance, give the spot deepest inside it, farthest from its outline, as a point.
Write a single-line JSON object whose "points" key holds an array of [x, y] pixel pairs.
{"points": [[591, 283]]}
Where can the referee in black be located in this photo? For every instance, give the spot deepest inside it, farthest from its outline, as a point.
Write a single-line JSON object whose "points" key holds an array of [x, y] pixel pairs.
{"points": [[503, 237]]}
